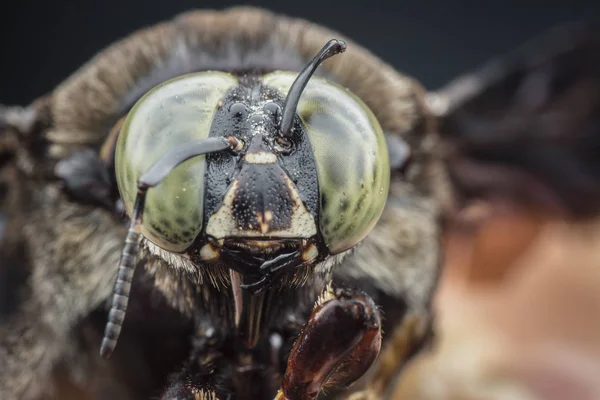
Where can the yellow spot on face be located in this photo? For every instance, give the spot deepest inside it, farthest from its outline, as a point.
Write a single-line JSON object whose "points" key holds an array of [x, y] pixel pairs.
{"points": [[208, 252], [264, 220], [222, 223], [310, 253], [260, 158]]}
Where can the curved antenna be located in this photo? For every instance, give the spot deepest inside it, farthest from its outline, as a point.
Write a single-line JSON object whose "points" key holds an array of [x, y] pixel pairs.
{"points": [[332, 48], [152, 177]]}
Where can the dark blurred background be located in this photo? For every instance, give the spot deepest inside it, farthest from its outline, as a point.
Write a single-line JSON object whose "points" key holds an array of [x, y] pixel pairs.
{"points": [[434, 40]]}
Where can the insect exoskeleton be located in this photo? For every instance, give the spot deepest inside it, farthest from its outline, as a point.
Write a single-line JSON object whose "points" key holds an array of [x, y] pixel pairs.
{"points": [[259, 173]]}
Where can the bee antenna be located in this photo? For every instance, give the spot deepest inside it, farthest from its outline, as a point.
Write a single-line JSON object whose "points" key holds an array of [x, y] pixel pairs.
{"points": [[152, 177], [332, 48]]}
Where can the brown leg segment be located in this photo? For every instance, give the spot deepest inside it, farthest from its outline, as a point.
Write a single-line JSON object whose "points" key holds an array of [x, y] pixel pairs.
{"points": [[338, 344]]}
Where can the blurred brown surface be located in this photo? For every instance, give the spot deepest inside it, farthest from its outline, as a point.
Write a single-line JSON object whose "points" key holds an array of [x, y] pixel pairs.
{"points": [[517, 312]]}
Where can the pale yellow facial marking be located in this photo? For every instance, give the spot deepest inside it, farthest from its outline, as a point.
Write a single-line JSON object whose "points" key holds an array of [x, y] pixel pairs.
{"points": [[310, 253], [208, 252], [264, 220], [301, 218], [261, 157], [222, 223]]}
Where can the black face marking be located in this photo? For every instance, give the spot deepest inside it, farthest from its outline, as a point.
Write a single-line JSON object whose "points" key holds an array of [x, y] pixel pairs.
{"points": [[262, 198]]}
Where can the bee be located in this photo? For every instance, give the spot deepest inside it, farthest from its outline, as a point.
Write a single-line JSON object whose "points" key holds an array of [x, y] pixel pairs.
{"points": [[218, 171], [230, 204]]}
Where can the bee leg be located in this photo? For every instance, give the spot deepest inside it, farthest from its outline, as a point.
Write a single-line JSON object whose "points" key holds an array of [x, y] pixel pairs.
{"points": [[338, 344]]}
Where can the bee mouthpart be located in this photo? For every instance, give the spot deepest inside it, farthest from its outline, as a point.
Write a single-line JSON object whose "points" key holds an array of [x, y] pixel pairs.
{"points": [[253, 264], [262, 246], [259, 257]]}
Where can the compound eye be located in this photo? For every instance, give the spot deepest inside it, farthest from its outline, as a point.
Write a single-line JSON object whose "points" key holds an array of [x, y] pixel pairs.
{"points": [[351, 157], [176, 112]]}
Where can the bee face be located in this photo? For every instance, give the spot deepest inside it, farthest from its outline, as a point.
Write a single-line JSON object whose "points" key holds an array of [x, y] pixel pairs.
{"points": [[313, 193], [262, 201]]}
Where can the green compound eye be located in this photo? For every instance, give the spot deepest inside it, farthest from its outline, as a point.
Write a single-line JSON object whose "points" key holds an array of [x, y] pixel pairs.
{"points": [[178, 111], [351, 157]]}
